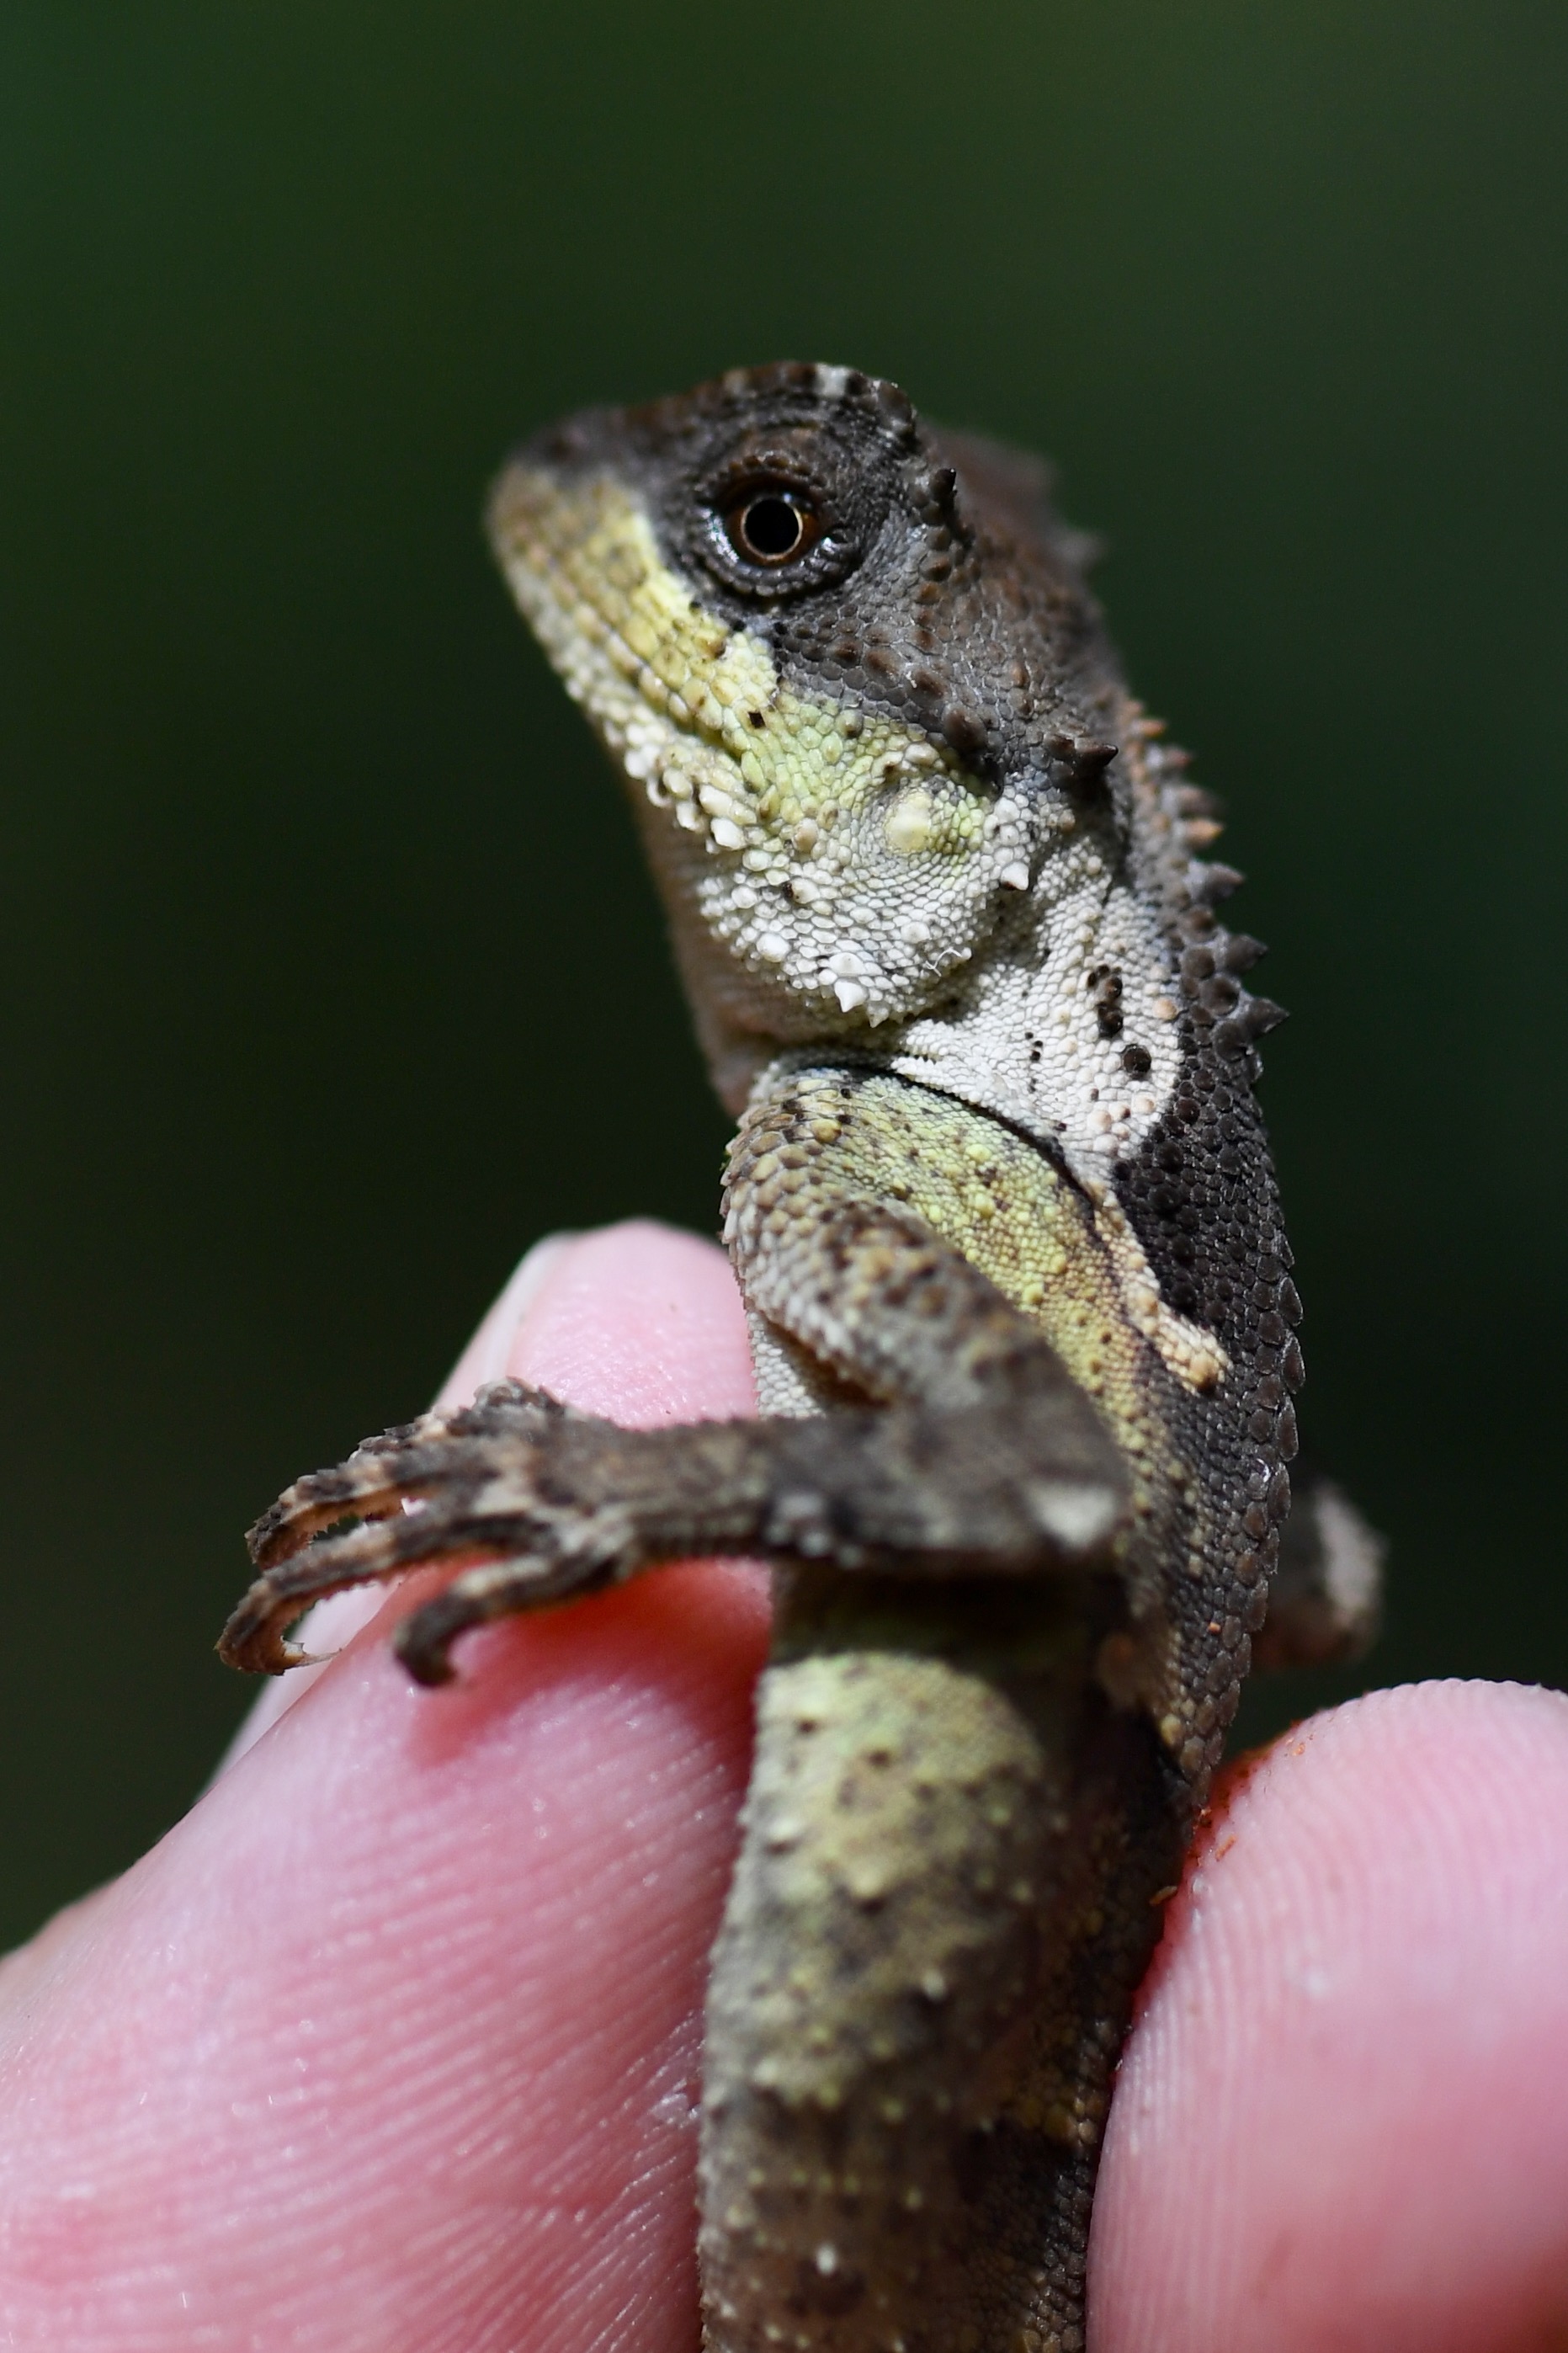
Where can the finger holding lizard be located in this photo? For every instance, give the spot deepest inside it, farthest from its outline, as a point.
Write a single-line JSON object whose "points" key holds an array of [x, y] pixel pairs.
{"points": [[390, 2044], [1340, 2120], [393, 2041]]}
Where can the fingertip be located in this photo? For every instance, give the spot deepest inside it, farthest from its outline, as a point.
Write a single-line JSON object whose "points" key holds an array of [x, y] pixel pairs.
{"points": [[1338, 2118], [394, 2039], [488, 1356], [639, 1322], [449, 1946]]}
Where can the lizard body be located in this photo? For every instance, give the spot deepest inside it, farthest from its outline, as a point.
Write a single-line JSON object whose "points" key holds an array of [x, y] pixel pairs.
{"points": [[1001, 1208]]}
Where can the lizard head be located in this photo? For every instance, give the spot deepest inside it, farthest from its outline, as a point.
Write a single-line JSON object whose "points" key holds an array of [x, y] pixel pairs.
{"points": [[848, 672]]}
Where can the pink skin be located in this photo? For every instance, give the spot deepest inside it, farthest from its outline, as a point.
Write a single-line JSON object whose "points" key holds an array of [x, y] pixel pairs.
{"points": [[391, 2045]]}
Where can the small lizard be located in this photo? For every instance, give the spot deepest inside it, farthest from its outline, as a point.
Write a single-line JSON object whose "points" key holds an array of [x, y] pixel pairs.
{"points": [[1001, 1208]]}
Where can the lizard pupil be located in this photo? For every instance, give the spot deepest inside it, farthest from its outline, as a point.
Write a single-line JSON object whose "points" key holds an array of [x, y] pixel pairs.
{"points": [[771, 528]]}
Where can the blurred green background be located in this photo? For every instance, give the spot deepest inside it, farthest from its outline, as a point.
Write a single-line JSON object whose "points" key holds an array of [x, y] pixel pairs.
{"points": [[330, 975]]}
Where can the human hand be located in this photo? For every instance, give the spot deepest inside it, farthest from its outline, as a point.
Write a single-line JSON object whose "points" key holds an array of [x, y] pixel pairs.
{"points": [[393, 2041]]}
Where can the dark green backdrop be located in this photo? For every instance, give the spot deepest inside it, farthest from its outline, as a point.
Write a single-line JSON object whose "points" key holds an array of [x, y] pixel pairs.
{"points": [[330, 978]]}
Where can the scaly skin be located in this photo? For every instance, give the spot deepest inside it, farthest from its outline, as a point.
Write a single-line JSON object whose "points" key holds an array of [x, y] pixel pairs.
{"points": [[1002, 1212]]}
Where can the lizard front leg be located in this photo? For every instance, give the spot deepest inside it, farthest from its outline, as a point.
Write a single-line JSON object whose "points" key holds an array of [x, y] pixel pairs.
{"points": [[1007, 1467]]}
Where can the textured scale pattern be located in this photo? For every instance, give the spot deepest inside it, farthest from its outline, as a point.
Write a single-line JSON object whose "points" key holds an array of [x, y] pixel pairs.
{"points": [[1001, 1210]]}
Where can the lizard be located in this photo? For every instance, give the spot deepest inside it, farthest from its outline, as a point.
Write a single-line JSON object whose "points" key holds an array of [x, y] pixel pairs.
{"points": [[1002, 1212]]}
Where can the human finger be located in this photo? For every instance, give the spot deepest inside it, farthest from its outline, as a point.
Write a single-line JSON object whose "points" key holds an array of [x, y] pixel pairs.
{"points": [[392, 2043], [1340, 2120]]}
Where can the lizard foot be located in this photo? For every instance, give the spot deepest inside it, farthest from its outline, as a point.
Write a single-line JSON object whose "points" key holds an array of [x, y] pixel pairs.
{"points": [[462, 1480]]}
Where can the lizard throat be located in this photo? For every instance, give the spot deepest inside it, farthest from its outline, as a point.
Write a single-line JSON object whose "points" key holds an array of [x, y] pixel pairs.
{"points": [[846, 864]]}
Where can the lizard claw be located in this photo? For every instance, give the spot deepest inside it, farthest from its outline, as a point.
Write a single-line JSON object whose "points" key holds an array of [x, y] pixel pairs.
{"points": [[382, 1472], [475, 1462]]}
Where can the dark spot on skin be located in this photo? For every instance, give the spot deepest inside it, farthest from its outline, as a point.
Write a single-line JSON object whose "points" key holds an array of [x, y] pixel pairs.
{"points": [[964, 730], [1105, 994], [753, 718]]}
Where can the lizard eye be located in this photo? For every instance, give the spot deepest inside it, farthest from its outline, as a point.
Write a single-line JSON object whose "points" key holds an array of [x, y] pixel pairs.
{"points": [[773, 526], [777, 518]]}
